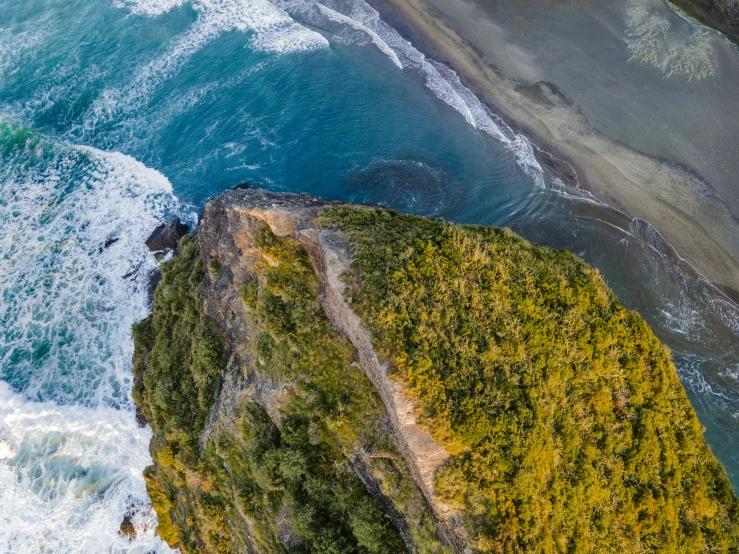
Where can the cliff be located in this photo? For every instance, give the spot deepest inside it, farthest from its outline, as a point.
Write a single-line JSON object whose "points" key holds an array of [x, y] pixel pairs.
{"points": [[322, 377]]}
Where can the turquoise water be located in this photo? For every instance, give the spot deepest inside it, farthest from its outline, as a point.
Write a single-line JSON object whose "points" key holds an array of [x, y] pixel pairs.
{"points": [[115, 116]]}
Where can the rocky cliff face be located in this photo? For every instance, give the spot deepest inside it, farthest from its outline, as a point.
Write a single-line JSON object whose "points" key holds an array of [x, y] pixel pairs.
{"points": [[227, 239], [269, 281], [326, 378]]}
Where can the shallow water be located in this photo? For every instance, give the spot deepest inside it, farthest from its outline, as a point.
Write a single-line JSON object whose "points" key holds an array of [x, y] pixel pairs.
{"points": [[643, 75], [114, 117]]}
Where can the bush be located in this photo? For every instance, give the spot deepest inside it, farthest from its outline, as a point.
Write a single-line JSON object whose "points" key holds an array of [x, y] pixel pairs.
{"points": [[185, 354], [568, 425]]}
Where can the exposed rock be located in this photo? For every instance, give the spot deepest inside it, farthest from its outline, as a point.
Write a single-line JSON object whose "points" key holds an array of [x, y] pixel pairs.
{"points": [[167, 235], [226, 235], [140, 418], [720, 14], [329, 252], [127, 527], [363, 469], [154, 279], [108, 243]]}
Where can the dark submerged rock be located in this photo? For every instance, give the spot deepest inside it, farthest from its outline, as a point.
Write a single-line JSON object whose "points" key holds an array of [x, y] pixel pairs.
{"points": [[167, 235], [108, 243], [242, 186], [140, 418], [127, 527]]}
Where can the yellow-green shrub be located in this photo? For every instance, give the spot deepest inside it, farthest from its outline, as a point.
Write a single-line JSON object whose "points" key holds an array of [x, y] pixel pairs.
{"points": [[570, 428]]}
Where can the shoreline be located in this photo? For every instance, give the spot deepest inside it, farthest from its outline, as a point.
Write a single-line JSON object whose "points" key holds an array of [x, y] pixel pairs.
{"points": [[683, 209], [708, 17]]}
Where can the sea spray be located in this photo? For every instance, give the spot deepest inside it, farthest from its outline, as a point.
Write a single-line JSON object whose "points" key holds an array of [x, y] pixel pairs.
{"points": [[74, 272], [67, 476], [69, 301]]}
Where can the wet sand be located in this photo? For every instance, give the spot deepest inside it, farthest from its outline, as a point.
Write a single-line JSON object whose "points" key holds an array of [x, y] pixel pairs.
{"points": [[641, 102]]}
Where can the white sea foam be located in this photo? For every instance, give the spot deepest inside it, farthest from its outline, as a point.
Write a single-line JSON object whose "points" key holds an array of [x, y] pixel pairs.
{"points": [[6, 451], [494, 126], [692, 374], [68, 303], [445, 91], [381, 44], [274, 30], [13, 44], [149, 7], [653, 41], [71, 454], [150, 77], [68, 474]]}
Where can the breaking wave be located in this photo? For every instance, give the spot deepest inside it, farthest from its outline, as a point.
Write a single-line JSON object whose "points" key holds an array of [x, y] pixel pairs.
{"points": [[280, 27], [74, 273], [68, 474]]}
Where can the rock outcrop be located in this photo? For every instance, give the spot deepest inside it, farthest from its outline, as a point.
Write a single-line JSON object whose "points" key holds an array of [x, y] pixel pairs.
{"points": [[167, 235], [225, 236], [127, 528], [231, 249]]}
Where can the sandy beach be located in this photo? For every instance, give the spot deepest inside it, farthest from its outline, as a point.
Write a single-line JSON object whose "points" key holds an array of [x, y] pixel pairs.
{"points": [[655, 180]]}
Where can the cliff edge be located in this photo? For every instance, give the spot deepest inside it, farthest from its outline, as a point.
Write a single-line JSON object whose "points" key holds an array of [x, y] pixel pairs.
{"points": [[322, 377]]}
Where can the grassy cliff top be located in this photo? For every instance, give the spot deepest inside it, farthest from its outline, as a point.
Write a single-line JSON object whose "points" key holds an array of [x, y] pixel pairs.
{"points": [[569, 427]]}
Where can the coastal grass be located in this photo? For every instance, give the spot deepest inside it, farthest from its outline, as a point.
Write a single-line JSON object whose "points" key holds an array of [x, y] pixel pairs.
{"points": [[567, 423]]}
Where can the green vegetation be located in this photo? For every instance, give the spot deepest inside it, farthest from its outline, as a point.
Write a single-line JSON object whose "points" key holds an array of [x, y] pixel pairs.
{"points": [[286, 489], [568, 428], [180, 355], [178, 359], [568, 425], [292, 475]]}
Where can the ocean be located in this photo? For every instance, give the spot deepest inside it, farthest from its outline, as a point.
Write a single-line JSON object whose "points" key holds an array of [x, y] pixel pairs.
{"points": [[118, 115]]}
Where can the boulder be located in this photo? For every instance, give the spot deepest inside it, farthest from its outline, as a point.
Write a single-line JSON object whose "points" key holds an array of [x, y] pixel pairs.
{"points": [[140, 418], [167, 235], [127, 527]]}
